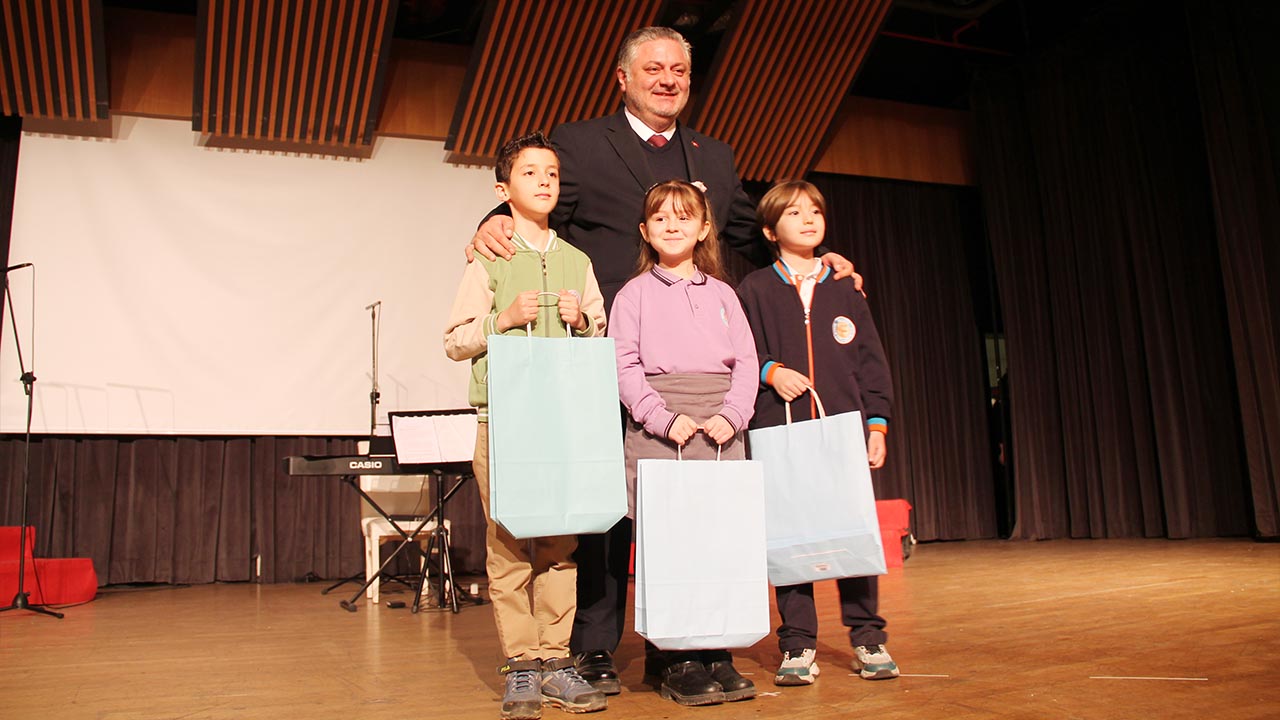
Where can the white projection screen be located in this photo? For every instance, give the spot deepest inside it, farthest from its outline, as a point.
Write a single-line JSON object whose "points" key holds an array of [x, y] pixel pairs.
{"points": [[191, 291]]}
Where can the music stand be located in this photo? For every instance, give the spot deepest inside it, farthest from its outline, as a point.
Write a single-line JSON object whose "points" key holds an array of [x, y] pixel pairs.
{"points": [[440, 441]]}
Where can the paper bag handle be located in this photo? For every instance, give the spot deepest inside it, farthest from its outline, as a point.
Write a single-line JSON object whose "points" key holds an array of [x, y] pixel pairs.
{"points": [[528, 327], [822, 412], [680, 449]]}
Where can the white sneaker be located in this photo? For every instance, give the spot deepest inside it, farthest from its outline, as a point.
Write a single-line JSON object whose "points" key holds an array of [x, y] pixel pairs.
{"points": [[797, 668], [872, 662]]}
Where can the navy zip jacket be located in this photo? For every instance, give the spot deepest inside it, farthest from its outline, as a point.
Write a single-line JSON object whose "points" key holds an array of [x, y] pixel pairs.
{"points": [[839, 351]]}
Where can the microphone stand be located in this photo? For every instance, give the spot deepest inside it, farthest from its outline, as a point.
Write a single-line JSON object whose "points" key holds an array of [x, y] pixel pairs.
{"points": [[374, 395], [22, 600]]}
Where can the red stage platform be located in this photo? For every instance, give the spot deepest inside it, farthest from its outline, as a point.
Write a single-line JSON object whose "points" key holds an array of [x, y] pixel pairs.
{"points": [[895, 524], [61, 581]]}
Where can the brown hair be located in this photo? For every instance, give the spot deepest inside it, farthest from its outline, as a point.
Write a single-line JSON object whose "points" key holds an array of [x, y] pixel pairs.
{"points": [[775, 202], [685, 197], [512, 149]]}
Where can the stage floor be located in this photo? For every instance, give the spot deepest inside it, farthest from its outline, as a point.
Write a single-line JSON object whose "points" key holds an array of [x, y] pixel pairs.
{"points": [[1062, 629]]}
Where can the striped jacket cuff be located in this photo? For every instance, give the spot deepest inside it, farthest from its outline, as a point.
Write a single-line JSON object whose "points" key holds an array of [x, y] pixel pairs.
{"points": [[767, 370]]}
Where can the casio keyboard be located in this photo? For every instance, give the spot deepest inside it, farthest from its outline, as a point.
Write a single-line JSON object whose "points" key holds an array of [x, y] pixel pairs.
{"points": [[306, 465], [350, 467]]}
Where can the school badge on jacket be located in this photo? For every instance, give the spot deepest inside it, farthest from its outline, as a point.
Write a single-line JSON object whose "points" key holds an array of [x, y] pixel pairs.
{"points": [[843, 330]]}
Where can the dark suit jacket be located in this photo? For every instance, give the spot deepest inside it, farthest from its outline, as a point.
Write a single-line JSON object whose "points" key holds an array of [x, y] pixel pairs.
{"points": [[604, 175]]}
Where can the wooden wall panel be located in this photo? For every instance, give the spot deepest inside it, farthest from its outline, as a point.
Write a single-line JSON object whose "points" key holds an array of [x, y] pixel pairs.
{"points": [[152, 61], [424, 82], [879, 138]]}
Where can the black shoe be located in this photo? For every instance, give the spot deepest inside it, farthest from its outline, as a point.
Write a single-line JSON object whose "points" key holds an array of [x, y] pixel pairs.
{"points": [[735, 686], [688, 683], [596, 667]]}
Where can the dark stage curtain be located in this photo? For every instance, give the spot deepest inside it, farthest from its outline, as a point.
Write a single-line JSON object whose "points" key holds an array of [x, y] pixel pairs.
{"points": [[1096, 195], [1237, 64], [199, 510], [909, 242], [10, 139]]}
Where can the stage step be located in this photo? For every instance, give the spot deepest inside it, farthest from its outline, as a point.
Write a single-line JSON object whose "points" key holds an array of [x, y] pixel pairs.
{"points": [[49, 581]]}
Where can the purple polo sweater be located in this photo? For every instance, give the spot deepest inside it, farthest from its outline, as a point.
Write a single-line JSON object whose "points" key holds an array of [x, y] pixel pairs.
{"points": [[662, 324]]}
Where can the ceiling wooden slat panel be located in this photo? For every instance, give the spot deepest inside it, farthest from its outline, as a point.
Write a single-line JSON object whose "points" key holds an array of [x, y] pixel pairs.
{"points": [[55, 19], [835, 89], [780, 77], [292, 72], [539, 63], [774, 158], [53, 60]]}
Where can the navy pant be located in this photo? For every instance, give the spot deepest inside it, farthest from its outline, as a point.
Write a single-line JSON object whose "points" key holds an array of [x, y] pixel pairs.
{"points": [[859, 601], [604, 567]]}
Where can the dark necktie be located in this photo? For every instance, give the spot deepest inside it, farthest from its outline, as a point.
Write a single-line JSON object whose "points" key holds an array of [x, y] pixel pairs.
{"points": [[657, 141]]}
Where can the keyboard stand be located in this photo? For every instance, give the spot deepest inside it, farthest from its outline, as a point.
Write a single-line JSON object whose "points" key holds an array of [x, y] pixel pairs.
{"points": [[439, 539], [359, 577]]}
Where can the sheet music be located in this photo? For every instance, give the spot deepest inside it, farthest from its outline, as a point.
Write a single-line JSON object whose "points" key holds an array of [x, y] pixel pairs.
{"points": [[434, 438]]}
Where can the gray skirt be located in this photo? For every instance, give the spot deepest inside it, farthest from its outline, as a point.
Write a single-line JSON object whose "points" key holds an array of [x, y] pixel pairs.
{"points": [[699, 396]]}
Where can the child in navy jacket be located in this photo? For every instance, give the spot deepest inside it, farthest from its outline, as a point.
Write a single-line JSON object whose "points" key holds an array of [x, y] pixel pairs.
{"points": [[812, 331]]}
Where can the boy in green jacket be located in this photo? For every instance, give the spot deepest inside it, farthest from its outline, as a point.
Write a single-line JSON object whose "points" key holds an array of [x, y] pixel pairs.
{"points": [[546, 286]]}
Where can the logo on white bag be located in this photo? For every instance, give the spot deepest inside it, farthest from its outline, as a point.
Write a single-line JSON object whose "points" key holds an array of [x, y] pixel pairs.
{"points": [[821, 567], [843, 330]]}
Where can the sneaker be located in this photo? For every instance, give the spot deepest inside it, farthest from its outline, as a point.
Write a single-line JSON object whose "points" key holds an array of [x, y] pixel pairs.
{"points": [[799, 667], [564, 688], [522, 699], [872, 662]]}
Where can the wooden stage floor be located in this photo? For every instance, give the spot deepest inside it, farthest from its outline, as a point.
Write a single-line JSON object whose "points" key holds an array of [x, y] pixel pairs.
{"points": [[1063, 629]]}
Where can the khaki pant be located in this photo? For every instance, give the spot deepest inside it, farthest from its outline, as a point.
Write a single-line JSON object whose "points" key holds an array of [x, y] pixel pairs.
{"points": [[527, 629]]}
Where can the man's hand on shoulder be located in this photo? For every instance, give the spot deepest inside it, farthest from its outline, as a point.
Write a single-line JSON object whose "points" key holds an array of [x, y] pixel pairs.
{"points": [[493, 239], [843, 268]]}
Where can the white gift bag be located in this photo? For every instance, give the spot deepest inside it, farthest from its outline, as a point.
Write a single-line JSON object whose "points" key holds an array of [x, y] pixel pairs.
{"points": [[820, 508], [701, 579]]}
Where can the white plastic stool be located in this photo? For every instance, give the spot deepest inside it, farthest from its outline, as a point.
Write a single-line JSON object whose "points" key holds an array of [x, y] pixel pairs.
{"points": [[376, 531]]}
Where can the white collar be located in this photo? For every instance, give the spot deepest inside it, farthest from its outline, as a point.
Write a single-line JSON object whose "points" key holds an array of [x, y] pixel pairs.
{"points": [[551, 242], [644, 132], [811, 275]]}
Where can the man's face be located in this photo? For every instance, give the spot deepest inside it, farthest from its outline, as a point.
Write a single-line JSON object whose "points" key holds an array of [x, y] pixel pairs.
{"points": [[655, 87]]}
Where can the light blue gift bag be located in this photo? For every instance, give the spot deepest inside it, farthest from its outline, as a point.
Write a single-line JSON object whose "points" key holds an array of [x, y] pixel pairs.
{"points": [[555, 436], [820, 509], [700, 554]]}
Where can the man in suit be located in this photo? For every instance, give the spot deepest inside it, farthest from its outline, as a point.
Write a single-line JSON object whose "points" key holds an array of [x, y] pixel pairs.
{"points": [[606, 166]]}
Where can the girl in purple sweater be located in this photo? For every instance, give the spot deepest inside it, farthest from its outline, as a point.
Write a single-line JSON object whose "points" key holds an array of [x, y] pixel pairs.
{"points": [[686, 363]]}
